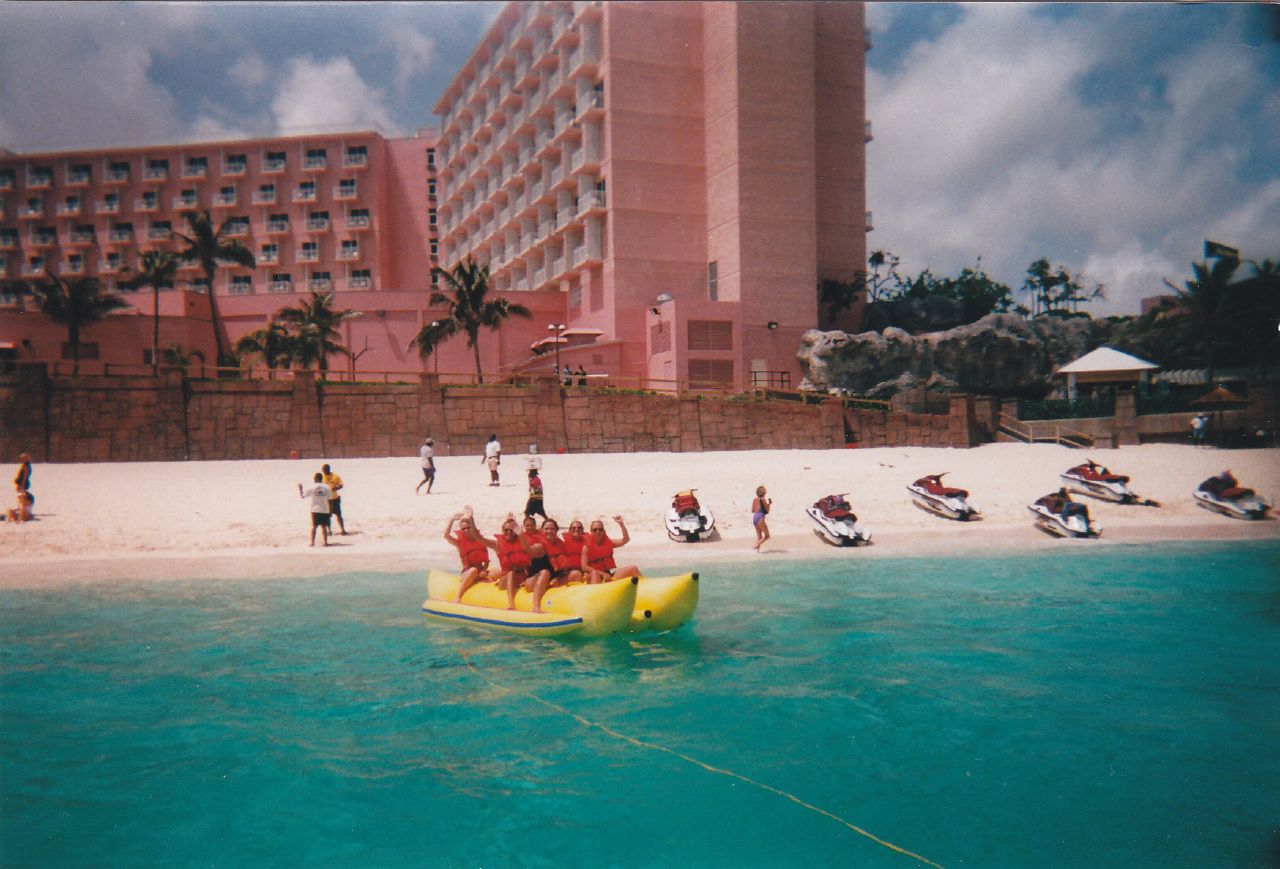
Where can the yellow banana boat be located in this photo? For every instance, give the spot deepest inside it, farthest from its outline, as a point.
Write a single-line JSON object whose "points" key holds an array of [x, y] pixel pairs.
{"points": [[646, 604]]}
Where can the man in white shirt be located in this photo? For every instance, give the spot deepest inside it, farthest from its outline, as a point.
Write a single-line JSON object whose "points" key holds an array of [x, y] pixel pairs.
{"points": [[492, 458], [428, 456], [320, 494]]}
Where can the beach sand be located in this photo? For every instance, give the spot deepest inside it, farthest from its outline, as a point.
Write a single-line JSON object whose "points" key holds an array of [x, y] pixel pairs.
{"points": [[156, 521]]}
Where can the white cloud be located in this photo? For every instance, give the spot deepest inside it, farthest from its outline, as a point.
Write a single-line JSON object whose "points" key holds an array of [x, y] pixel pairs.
{"points": [[413, 54], [325, 95], [986, 145], [249, 70]]}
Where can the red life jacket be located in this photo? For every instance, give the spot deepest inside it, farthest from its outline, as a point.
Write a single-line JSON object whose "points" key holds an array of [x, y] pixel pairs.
{"points": [[555, 550], [600, 555], [511, 554], [572, 558], [473, 553]]}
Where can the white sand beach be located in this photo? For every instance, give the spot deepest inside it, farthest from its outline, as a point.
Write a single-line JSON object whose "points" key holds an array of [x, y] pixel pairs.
{"points": [[156, 521]]}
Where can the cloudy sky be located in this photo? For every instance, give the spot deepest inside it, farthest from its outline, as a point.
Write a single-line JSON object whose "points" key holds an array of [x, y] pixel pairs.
{"points": [[1111, 138]]}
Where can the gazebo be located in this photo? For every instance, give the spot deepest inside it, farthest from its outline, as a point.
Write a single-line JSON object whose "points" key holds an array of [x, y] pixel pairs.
{"points": [[1105, 366]]}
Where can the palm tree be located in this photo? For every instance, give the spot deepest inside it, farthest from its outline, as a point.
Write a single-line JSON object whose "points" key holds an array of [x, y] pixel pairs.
{"points": [[274, 344], [157, 270], [468, 311], [1209, 319], [179, 357], [208, 247], [317, 324], [75, 303]]}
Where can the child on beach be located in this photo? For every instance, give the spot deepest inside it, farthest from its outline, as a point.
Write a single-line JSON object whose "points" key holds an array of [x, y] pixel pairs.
{"points": [[320, 496], [759, 510], [533, 507]]}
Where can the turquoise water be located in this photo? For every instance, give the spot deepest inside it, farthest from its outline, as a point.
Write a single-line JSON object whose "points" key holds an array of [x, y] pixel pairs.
{"points": [[1117, 706]]}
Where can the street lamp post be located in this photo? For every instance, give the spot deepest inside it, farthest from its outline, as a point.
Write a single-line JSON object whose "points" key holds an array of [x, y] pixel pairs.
{"points": [[558, 329]]}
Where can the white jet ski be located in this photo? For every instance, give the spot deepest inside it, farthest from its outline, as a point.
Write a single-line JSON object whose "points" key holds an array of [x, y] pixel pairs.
{"points": [[1062, 517], [687, 520], [1223, 494], [836, 523], [929, 494], [1093, 479]]}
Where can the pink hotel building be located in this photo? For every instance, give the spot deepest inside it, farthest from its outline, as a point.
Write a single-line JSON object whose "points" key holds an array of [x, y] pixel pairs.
{"points": [[669, 181]]}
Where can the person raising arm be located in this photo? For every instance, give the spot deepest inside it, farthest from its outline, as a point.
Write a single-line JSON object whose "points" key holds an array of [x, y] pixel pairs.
{"points": [[598, 564]]}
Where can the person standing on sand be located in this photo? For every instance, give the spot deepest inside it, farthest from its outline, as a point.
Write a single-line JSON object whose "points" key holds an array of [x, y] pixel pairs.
{"points": [[22, 481], [319, 495], [492, 457], [759, 510], [533, 507], [334, 482], [534, 462], [428, 456]]}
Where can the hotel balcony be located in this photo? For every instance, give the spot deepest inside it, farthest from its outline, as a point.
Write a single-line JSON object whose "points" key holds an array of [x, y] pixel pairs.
{"points": [[108, 267], [273, 167], [591, 107], [237, 230], [33, 270], [355, 160], [357, 221], [79, 179], [304, 196], [317, 224], [584, 61], [224, 200], [30, 212], [116, 176], [39, 182], [277, 227], [195, 171], [159, 233], [314, 163], [307, 255], [587, 10], [184, 202], [72, 267], [6, 183], [82, 238], [240, 288], [344, 193], [154, 174], [268, 257], [145, 205], [349, 254], [320, 285], [234, 170], [9, 242], [587, 254], [280, 287], [69, 209], [44, 239], [359, 283], [592, 202], [120, 236], [264, 197]]}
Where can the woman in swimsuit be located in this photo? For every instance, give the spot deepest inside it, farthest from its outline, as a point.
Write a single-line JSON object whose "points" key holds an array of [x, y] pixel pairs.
{"points": [[759, 510]]}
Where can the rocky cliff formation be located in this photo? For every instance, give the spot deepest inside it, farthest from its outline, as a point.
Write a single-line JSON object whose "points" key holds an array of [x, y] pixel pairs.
{"points": [[1001, 353]]}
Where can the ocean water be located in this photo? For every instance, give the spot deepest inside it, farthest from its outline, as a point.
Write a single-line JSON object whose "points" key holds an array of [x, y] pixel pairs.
{"points": [[1113, 706]]}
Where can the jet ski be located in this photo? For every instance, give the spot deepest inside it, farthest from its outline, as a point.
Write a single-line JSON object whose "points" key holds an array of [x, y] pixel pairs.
{"points": [[836, 523], [1223, 494], [1092, 478], [687, 520], [1058, 515], [929, 494]]}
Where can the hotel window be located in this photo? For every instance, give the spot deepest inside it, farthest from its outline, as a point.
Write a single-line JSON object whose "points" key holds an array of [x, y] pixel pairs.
{"points": [[187, 198], [307, 190], [711, 371], [150, 199], [350, 248], [281, 282], [118, 172], [358, 217], [360, 278], [310, 251], [235, 164], [357, 155], [433, 216], [431, 188], [160, 229], [321, 282], [713, 281], [157, 169], [113, 260], [110, 201], [7, 178], [435, 248], [41, 176], [81, 173], [241, 285], [318, 220], [278, 223], [226, 196], [196, 166], [276, 161], [431, 156], [269, 254], [710, 335], [347, 187], [316, 158]]}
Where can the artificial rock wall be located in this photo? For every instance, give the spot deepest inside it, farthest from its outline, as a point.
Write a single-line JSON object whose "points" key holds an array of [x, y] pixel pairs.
{"points": [[169, 418]]}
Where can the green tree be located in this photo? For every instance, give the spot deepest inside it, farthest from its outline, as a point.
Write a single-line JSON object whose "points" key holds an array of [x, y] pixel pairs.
{"points": [[1054, 292], [274, 344], [315, 323], [469, 310], [157, 269], [836, 296], [75, 303], [179, 357], [1209, 322], [209, 247]]}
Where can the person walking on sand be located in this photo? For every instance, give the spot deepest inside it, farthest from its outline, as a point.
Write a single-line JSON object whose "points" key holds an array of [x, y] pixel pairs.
{"points": [[320, 496], [492, 457], [428, 457], [334, 482], [533, 507], [759, 510]]}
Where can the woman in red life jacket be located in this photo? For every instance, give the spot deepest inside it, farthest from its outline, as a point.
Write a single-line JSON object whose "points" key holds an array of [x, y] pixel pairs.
{"points": [[540, 569], [573, 542], [473, 550], [512, 560], [564, 567], [597, 555]]}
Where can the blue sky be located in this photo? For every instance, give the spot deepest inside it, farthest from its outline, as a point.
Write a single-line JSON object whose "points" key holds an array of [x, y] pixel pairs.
{"points": [[1110, 138]]}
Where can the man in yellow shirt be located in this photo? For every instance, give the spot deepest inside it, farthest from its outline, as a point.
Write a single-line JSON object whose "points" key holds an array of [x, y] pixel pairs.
{"points": [[334, 482]]}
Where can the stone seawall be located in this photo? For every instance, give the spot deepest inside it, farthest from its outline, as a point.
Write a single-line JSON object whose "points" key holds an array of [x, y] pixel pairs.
{"points": [[170, 418]]}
